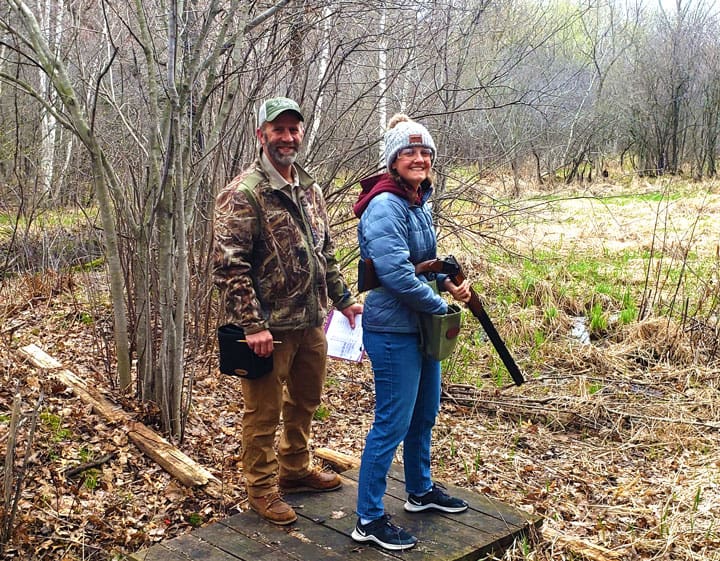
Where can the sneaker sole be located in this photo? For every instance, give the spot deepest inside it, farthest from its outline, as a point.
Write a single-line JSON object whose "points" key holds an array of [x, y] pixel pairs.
{"points": [[410, 507], [358, 537]]}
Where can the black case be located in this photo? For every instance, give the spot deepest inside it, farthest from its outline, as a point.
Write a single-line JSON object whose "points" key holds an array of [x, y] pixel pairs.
{"points": [[236, 358]]}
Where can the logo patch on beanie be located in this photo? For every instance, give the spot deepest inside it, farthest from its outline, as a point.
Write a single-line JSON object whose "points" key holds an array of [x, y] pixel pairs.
{"points": [[415, 139]]}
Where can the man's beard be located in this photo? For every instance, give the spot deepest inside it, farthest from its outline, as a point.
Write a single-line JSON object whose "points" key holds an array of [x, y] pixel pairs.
{"points": [[280, 158]]}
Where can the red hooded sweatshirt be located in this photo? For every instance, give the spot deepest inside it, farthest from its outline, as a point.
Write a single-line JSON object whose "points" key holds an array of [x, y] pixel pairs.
{"points": [[382, 183]]}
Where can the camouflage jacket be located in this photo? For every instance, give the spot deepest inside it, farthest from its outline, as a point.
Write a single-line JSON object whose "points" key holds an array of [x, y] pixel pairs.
{"points": [[278, 271]]}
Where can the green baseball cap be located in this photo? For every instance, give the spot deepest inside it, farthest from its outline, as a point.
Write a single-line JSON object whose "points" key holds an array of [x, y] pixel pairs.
{"points": [[271, 109]]}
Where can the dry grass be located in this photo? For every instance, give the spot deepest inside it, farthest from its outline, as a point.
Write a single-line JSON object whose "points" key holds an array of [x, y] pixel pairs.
{"points": [[616, 443]]}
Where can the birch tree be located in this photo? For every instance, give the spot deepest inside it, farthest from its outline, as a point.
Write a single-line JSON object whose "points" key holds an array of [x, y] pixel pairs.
{"points": [[51, 25]]}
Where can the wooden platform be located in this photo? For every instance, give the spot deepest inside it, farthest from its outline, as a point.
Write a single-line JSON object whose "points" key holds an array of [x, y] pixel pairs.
{"points": [[325, 521]]}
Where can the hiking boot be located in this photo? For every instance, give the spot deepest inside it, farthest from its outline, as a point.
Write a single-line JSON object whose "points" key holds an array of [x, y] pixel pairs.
{"points": [[384, 533], [437, 498], [315, 481], [273, 509]]}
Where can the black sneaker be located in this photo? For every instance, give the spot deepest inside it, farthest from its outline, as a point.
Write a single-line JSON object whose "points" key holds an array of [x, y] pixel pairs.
{"points": [[438, 499], [384, 533]]}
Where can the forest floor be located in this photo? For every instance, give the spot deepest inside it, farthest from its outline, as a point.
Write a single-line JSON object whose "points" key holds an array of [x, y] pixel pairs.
{"points": [[615, 441]]}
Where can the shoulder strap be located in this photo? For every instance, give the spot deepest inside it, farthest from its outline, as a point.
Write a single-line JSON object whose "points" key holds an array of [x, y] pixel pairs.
{"points": [[248, 186]]}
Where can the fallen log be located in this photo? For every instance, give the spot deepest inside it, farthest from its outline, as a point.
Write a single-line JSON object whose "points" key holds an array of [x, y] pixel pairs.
{"points": [[167, 456], [339, 461]]}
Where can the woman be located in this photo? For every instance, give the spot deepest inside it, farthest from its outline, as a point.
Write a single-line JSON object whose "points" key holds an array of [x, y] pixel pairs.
{"points": [[396, 231]]}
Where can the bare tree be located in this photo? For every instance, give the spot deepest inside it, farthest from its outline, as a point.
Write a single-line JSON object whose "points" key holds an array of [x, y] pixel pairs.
{"points": [[32, 44], [162, 96], [176, 80]]}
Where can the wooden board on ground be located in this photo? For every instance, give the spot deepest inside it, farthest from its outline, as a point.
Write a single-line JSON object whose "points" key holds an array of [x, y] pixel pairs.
{"points": [[325, 521]]}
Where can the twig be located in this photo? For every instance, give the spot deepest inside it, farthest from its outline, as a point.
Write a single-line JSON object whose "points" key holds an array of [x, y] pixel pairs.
{"points": [[672, 420], [11, 495], [71, 472]]}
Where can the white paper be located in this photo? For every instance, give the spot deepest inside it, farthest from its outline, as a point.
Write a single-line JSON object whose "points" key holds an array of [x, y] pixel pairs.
{"points": [[343, 341]]}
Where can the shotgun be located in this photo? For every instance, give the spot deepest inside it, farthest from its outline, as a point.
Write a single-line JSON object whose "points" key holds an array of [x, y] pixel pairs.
{"points": [[367, 280]]}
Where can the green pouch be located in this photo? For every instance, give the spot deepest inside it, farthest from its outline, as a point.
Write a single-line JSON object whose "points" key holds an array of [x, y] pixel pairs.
{"points": [[440, 332]]}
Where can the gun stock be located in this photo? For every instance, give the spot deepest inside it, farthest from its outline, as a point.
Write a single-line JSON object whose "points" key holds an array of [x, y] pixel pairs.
{"points": [[367, 280]]}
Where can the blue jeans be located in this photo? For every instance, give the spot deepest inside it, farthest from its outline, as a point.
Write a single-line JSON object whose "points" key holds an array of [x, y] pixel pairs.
{"points": [[407, 400]]}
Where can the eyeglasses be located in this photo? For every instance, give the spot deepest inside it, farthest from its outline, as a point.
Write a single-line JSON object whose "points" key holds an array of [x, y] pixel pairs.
{"points": [[409, 153]]}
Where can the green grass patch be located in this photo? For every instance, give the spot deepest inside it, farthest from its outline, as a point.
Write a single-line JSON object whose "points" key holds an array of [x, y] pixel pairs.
{"points": [[65, 218], [322, 413], [92, 479], [598, 319], [675, 194], [92, 265], [54, 424]]}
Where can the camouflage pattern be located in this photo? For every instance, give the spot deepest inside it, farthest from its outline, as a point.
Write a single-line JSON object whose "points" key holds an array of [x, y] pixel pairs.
{"points": [[285, 277]]}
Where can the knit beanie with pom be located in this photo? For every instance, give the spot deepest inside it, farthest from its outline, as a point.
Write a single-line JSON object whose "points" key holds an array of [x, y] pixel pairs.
{"points": [[403, 132]]}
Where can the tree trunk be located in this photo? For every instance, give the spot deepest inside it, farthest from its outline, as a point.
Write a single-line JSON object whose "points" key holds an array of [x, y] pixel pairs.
{"points": [[52, 22], [54, 68]]}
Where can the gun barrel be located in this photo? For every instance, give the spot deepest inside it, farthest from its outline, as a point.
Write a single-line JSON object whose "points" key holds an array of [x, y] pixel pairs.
{"points": [[477, 309], [368, 279]]}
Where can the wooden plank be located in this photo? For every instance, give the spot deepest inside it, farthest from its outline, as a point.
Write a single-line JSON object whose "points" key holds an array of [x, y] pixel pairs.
{"points": [[440, 537], [158, 553], [503, 523], [88, 394], [339, 461], [216, 542], [228, 539], [326, 520], [331, 523], [338, 542], [172, 460], [507, 515], [292, 540], [195, 548], [482, 511]]}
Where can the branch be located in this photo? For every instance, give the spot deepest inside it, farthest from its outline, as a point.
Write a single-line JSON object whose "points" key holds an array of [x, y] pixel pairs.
{"points": [[265, 15], [26, 88], [71, 472]]}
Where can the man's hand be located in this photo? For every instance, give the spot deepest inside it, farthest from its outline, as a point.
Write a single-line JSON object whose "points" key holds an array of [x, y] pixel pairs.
{"points": [[351, 311], [261, 343], [460, 292]]}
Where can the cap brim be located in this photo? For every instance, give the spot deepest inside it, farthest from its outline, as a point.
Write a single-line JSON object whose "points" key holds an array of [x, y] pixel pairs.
{"points": [[270, 118]]}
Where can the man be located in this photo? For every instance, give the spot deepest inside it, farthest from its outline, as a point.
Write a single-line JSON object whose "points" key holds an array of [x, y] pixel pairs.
{"points": [[274, 263]]}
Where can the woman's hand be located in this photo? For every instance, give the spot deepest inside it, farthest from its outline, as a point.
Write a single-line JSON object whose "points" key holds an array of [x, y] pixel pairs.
{"points": [[460, 292]]}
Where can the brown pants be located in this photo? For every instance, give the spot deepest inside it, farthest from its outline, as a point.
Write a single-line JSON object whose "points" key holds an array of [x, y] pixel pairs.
{"points": [[293, 390]]}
